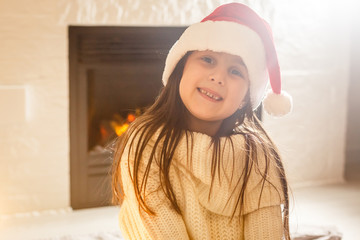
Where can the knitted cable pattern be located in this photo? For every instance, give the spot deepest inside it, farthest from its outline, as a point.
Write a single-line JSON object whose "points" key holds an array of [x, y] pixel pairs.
{"points": [[201, 218]]}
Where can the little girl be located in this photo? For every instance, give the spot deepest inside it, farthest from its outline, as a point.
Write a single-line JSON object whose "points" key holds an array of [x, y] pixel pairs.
{"points": [[198, 164]]}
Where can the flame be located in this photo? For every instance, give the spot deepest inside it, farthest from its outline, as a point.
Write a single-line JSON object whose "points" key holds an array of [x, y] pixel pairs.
{"points": [[103, 132], [120, 125], [130, 117], [120, 129]]}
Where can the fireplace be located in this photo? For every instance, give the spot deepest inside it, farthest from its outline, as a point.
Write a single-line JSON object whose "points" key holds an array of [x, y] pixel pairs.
{"points": [[115, 73]]}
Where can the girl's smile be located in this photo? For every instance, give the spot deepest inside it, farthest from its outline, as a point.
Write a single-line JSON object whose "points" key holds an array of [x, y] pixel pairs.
{"points": [[209, 94], [212, 87]]}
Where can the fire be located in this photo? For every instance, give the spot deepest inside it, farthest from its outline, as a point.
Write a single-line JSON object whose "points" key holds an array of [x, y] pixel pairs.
{"points": [[120, 125], [131, 117], [120, 129]]}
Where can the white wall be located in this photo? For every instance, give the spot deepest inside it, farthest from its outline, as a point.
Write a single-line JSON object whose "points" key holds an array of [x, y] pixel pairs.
{"points": [[313, 45], [34, 139]]}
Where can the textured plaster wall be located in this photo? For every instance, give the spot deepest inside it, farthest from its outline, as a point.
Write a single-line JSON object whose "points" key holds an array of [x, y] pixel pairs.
{"points": [[34, 135]]}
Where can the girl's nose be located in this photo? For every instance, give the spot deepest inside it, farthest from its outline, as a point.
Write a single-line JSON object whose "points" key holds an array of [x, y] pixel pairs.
{"points": [[218, 74], [217, 79], [220, 82]]}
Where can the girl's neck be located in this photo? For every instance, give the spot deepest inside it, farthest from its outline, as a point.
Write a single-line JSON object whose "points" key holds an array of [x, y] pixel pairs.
{"points": [[207, 127]]}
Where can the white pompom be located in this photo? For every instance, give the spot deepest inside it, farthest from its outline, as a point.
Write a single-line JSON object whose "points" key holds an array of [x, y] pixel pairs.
{"points": [[277, 105]]}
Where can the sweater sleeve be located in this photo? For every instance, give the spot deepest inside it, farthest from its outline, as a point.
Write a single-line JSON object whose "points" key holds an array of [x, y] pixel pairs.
{"points": [[259, 193], [263, 217], [264, 223], [135, 223]]}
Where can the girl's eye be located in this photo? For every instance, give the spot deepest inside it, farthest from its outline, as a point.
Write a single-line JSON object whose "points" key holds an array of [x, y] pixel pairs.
{"points": [[208, 60], [236, 72]]}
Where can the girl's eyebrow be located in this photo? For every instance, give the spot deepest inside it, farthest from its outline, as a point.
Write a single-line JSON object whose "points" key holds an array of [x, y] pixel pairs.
{"points": [[240, 61]]}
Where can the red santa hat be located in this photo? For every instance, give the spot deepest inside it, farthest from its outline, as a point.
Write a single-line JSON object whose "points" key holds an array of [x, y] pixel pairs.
{"points": [[236, 29]]}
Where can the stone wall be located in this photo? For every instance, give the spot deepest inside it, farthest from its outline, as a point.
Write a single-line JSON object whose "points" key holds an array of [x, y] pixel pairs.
{"points": [[34, 89]]}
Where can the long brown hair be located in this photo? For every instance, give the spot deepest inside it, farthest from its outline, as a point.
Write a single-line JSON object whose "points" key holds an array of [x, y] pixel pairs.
{"points": [[166, 115]]}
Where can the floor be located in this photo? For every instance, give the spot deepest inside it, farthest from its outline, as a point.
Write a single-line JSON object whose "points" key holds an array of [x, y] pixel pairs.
{"points": [[334, 206]]}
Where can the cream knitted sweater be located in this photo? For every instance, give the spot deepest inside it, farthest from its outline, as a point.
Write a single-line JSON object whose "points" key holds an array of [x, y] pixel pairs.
{"points": [[202, 218]]}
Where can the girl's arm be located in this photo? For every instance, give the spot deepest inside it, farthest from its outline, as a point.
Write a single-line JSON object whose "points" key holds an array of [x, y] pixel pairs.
{"points": [[263, 216], [135, 223], [264, 223]]}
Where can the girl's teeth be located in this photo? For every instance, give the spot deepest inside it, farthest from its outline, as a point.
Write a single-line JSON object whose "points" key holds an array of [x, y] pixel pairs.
{"points": [[209, 94]]}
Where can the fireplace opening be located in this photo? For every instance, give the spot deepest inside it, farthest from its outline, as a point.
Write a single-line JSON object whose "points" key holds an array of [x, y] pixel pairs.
{"points": [[115, 73], [116, 98]]}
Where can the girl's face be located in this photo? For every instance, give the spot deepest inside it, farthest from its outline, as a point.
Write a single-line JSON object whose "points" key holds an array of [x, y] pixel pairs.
{"points": [[213, 86]]}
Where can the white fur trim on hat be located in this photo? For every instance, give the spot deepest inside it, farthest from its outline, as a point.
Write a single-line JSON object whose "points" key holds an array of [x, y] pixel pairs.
{"points": [[277, 105], [227, 37]]}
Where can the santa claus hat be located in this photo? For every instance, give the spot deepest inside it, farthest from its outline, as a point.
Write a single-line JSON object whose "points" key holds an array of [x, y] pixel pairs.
{"points": [[236, 29]]}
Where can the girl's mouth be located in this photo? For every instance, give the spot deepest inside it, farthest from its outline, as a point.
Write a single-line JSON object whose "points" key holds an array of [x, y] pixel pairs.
{"points": [[210, 95]]}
